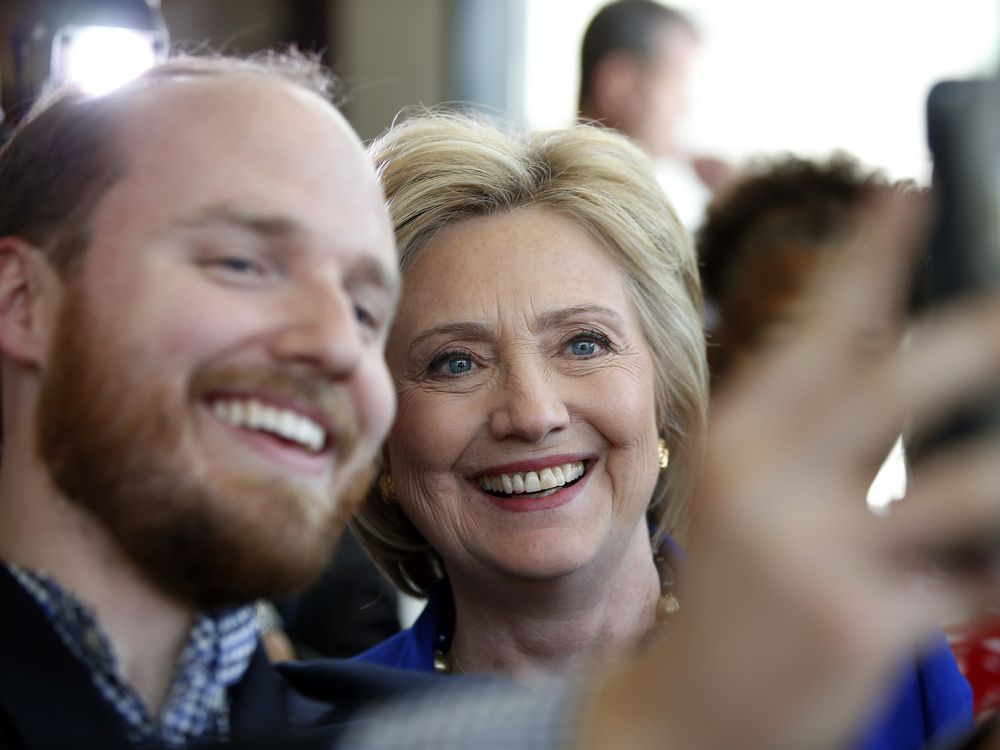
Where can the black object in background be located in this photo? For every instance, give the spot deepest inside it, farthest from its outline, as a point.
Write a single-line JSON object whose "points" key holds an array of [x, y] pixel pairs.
{"points": [[963, 131], [986, 736], [963, 258], [349, 610]]}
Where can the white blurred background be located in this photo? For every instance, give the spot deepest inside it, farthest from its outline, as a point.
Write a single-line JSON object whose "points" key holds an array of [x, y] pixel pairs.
{"points": [[778, 75], [773, 75]]}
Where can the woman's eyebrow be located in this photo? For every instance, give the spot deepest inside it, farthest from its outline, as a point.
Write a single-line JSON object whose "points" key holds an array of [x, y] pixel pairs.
{"points": [[464, 329], [554, 318], [548, 319]]}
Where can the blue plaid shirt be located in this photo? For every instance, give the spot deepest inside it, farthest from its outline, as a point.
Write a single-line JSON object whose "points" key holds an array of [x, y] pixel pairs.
{"points": [[196, 708]]}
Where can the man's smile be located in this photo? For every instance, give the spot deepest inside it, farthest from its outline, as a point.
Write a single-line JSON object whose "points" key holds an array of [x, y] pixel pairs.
{"points": [[298, 435], [287, 424]]}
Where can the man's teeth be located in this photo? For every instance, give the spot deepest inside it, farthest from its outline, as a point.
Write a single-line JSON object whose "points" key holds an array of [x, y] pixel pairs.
{"points": [[521, 482], [253, 415]]}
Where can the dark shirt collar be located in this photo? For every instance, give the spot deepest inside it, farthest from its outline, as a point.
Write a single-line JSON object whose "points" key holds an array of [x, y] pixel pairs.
{"points": [[196, 709]]}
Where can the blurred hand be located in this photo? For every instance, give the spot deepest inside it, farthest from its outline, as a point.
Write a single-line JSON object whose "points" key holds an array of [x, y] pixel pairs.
{"points": [[793, 617]]}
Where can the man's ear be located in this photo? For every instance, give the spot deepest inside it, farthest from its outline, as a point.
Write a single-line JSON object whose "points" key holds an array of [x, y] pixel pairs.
{"points": [[616, 88], [23, 325]]}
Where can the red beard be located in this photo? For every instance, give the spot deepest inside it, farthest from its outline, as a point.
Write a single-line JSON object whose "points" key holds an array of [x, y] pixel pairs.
{"points": [[111, 434]]}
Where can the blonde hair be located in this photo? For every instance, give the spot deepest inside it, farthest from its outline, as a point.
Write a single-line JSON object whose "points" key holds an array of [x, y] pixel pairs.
{"points": [[437, 169]]}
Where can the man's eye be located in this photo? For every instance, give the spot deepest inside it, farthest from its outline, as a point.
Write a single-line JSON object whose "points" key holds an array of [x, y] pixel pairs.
{"points": [[239, 265], [364, 317]]}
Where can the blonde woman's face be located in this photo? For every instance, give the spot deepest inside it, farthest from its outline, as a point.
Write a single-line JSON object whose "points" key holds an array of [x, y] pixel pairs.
{"points": [[526, 442]]}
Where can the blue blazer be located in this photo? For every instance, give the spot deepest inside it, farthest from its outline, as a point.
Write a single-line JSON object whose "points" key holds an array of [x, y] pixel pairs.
{"points": [[932, 701]]}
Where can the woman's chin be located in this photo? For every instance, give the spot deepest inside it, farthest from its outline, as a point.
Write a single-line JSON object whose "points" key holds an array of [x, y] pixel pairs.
{"points": [[546, 557]]}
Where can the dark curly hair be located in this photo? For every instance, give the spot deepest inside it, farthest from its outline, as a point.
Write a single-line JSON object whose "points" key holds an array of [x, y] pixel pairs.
{"points": [[761, 233], [789, 199]]}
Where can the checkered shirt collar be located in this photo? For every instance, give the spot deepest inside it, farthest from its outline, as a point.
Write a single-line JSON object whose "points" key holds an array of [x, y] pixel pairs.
{"points": [[196, 708]]}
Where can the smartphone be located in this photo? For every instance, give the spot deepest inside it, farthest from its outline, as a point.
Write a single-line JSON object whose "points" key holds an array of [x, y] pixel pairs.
{"points": [[963, 258], [963, 131]]}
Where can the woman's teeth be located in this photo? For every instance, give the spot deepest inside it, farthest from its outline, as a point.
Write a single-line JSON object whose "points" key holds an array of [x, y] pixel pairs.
{"points": [[250, 414], [523, 482]]}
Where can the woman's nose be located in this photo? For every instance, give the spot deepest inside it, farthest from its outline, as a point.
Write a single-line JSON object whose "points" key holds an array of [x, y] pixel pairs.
{"points": [[530, 407]]}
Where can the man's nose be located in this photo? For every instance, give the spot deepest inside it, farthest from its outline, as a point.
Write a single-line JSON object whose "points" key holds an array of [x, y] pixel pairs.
{"points": [[530, 405], [322, 331]]}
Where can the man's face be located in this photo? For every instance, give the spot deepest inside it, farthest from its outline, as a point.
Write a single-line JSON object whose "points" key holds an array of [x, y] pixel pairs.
{"points": [[663, 99], [215, 389]]}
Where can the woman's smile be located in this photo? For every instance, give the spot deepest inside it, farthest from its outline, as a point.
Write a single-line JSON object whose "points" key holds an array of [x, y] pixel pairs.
{"points": [[533, 483], [546, 488]]}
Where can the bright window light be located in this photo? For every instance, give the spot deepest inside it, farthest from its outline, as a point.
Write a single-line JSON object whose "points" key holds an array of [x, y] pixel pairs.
{"points": [[101, 58], [890, 482], [780, 75]]}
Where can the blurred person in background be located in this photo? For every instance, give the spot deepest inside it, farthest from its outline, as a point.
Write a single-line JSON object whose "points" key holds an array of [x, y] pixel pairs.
{"points": [[526, 488], [635, 76]]}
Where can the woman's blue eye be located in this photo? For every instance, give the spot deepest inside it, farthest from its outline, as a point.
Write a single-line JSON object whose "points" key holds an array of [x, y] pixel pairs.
{"points": [[451, 364], [587, 345], [458, 365]]}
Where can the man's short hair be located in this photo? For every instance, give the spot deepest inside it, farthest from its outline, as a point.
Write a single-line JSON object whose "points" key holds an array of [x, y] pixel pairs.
{"points": [[65, 154], [624, 26]]}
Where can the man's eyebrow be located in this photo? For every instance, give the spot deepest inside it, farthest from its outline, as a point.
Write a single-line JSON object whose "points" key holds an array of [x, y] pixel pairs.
{"points": [[272, 227], [553, 318], [276, 227], [373, 271], [468, 330]]}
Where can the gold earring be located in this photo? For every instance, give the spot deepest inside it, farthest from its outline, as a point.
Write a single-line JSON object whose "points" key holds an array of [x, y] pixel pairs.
{"points": [[664, 454], [386, 488]]}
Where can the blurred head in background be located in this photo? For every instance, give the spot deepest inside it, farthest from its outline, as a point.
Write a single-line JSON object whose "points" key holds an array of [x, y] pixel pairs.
{"points": [[764, 240], [635, 68]]}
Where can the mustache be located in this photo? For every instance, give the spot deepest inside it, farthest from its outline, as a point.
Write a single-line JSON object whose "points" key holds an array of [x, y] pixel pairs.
{"points": [[315, 396]]}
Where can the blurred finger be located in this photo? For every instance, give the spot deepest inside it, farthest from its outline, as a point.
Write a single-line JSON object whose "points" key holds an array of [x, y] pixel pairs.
{"points": [[864, 292], [949, 362], [952, 514], [854, 317]]}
